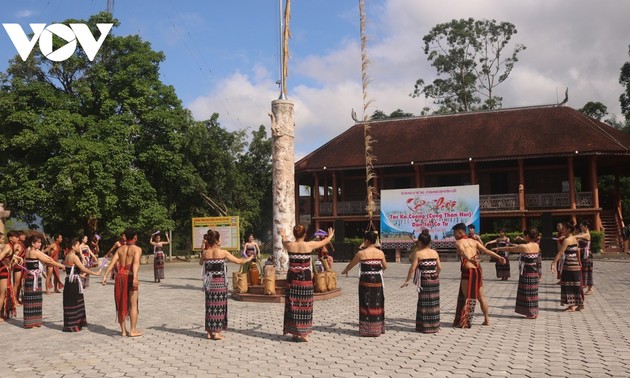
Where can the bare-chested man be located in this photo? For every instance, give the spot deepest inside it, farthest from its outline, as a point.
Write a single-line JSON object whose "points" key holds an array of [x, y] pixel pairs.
{"points": [[127, 260], [471, 287]]}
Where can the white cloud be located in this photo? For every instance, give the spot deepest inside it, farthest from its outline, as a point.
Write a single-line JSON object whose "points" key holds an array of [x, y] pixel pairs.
{"points": [[24, 13], [580, 45]]}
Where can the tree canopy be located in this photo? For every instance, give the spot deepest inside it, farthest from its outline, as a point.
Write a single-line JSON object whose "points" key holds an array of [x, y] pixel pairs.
{"points": [[398, 113], [595, 109], [104, 145], [470, 63]]}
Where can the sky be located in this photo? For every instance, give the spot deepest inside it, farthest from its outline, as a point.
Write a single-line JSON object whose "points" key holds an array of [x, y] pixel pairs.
{"points": [[223, 56]]}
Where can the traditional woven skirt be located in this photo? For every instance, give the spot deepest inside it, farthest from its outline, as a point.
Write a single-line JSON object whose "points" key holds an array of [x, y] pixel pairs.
{"points": [[32, 297], [503, 270], [468, 296], [428, 311], [539, 265], [587, 271], [216, 304], [571, 293], [158, 265], [371, 305], [74, 318], [527, 292], [298, 303]]}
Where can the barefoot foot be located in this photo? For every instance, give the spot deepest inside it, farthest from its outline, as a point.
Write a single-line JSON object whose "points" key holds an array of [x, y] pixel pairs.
{"points": [[570, 309], [135, 333], [217, 336], [486, 322]]}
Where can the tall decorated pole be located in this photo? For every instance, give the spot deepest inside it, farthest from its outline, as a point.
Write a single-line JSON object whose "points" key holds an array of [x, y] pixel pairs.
{"points": [[283, 154]]}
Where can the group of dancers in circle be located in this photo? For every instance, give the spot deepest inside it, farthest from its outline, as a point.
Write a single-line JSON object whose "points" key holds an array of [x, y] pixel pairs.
{"points": [[573, 264], [25, 264]]}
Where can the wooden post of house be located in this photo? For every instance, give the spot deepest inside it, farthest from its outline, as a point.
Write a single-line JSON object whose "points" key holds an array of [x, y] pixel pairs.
{"points": [[316, 199], [417, 169], [572, 196], [521, 192], [597, 221], [473, 173], [334, 194]]}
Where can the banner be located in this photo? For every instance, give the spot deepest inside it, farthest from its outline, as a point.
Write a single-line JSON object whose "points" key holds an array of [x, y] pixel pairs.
{"points": [[228, 227], [406, 212]]}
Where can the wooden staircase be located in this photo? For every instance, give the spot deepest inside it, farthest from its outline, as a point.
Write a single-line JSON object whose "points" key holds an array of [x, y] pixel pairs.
{"points": [[612, 242]]}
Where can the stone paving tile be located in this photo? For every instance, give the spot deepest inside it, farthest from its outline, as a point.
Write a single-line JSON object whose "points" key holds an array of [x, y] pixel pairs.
{"points": [[594, 342]]}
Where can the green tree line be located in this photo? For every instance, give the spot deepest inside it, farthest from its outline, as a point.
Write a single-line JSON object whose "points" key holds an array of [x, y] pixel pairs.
{"points": [[100, 146]]}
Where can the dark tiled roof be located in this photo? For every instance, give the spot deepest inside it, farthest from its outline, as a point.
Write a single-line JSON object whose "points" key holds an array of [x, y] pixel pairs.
{"points": [[489, 135]]}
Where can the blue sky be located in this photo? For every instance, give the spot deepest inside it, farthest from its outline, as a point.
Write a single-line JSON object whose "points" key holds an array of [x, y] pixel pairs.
{"points": [[222, 56]]}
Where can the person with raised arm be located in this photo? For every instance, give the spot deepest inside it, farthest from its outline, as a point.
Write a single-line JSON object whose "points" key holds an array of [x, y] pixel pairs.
{"points": [[34, 270], [571, 293], [298, 302], [8, 258], [215, 284], [527, 292], [471, 284], [158, 256]]}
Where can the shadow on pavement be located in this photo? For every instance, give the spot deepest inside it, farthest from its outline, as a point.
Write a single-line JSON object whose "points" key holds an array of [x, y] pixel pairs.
{"points": [[181, 331]]}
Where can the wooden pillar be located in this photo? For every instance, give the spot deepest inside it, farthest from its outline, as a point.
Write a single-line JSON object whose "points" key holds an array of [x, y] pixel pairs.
{"points": [[343, 186], [326, 187], [316, 194], [521, 192], [473, 173], [334, 195], [297, 201], [417, 169], [597, 221], [572, 195]]}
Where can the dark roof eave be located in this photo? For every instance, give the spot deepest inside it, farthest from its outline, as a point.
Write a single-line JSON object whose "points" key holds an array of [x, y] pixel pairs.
{"points": [[460, 161]]}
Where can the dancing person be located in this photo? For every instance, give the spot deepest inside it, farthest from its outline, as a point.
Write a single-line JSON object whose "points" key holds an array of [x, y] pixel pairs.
{"points": [[425, 268], [560, 238], [127, 261], [571, 293], [8, 258], [253, 268], [625, 233], [34, 258], [20, 250], [89, 258], [527, 292], [74, 316], [503, 270], [322, 253], [471, 284], [371, 295], [586, 254], [472, 235], [53, 279], [95, 246], [215, 283], [158, 256], [119, 243], [298, 302]]}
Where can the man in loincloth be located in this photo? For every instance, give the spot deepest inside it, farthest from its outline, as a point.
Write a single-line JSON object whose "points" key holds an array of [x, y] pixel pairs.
{"points": [[471, 285], [127, 260]]}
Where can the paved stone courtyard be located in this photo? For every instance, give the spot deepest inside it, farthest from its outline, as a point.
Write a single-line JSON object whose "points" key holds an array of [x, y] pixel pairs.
{"points": [[591, 343]]}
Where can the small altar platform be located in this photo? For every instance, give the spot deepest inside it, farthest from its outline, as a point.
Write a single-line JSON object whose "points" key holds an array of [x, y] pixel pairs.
{"points": [[256, 293]]}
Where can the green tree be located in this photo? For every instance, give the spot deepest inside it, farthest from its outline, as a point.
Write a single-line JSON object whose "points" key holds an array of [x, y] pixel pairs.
{"points": [[470, 61], [595, 110], [624, 80], [398, 113]]}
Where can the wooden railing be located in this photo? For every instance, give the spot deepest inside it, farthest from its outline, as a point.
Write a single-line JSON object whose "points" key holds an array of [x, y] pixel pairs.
{"points": [[347, 208], [499, 201]]}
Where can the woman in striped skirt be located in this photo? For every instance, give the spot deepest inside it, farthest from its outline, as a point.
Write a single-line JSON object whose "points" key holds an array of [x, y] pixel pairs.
{"points": [[298, 301], [158, 256], [74, 318], [33, 281], [584, 247], [425, 268], [527, 292], [371, 296], [503, 270], [571, 293], [215, 283]]}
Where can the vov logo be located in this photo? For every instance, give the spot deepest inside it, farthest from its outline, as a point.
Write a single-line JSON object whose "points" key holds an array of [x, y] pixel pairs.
{"points": [[72, 33]]}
